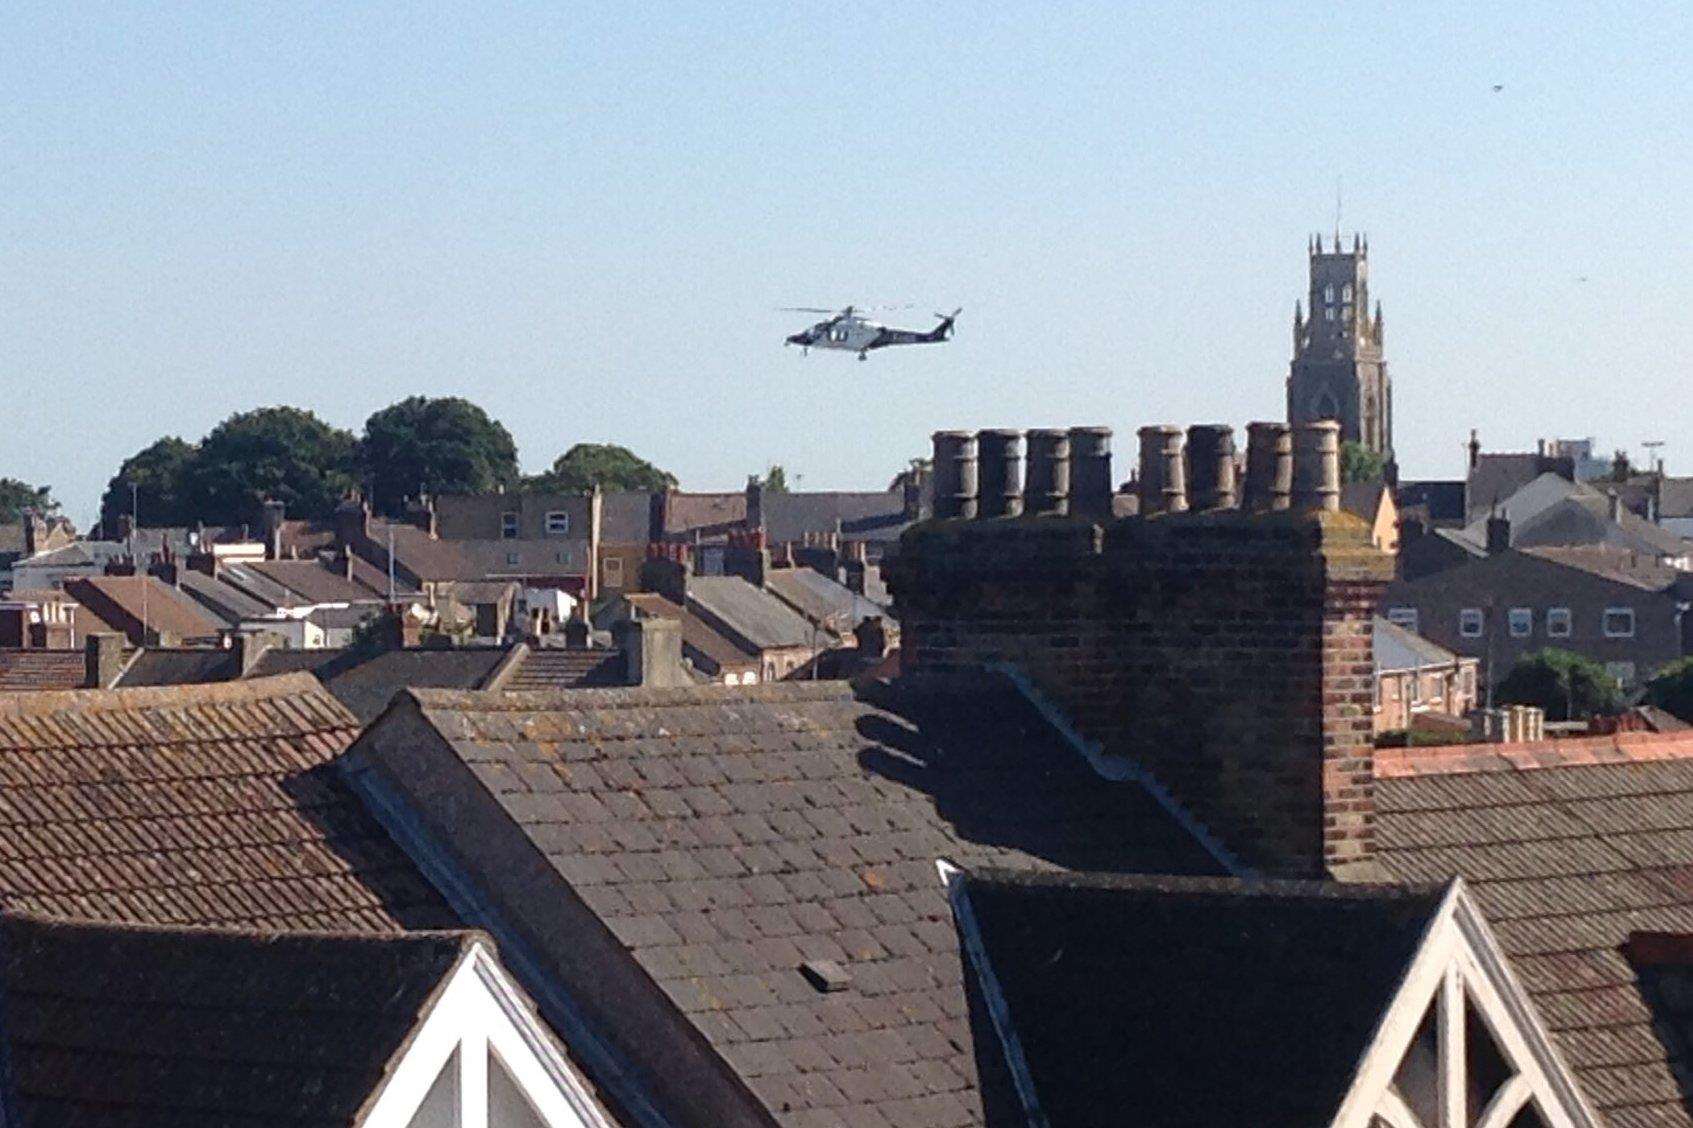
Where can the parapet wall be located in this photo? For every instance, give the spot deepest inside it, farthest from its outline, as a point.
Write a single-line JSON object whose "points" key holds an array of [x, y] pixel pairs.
{"points": [[1225, 651]]}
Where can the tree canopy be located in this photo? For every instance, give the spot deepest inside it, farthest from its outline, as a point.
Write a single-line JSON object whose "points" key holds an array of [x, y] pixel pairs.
{"points": [[775, 479], [1672, 689], [157, 472], [1358, 463], [16, 496], [585, 465], [274, 452], [446, 445], [1567, 685]]}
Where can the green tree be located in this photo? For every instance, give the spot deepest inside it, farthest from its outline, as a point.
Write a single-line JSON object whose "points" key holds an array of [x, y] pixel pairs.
{"points": [[1672, 689], [444, 445], [16, 496], [585, 465], [775, 479], [1358, 463], [1567, 685], [157, 473], [274, 452]]}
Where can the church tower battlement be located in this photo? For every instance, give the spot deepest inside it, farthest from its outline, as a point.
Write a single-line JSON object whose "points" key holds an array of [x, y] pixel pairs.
{"points": [[1338, 371]]}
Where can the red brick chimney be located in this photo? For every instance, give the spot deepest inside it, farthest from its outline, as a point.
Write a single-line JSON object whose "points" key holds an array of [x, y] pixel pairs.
{"points": [[1226, 652]]}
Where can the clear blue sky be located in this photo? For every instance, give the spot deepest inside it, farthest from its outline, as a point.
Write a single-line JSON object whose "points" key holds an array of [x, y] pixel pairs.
{"points": [[581, 217]]}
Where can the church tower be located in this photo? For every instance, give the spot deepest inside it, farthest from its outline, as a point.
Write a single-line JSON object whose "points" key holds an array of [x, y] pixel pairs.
{"points": [[1338, 371]]}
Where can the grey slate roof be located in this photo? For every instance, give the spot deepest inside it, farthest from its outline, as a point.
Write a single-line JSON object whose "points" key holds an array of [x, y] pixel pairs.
{"points": [[858, 516], [1566, 860], [1193, 1002], [1675, 498], [226, 601], [821, 599], [365, 682], [1399, 649], [122, 1025], [758, 618], [723, 836]]}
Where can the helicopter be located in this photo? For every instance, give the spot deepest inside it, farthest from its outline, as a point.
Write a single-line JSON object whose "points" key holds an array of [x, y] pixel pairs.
{"points": [[850, 331]]}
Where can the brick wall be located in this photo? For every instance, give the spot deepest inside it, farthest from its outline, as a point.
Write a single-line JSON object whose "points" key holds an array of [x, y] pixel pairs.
{"points": [[1227, 652]]}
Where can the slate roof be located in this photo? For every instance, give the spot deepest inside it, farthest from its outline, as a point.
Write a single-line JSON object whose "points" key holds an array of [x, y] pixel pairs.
{"points": [[753, 616], [1363, 499], [1496, 477], [365, 681], [1193, 1002], [224, 600], [33, 668], [1613, 564], [858, 516], [311, 581], [215, 805], [1567, 847], [1675, 497], [156, 666], [138, 1026], [1444, 500], [146, 599], [725, 835], [560, 668], [1396, 648], [625, 516], [702, 643], [821, 599]]}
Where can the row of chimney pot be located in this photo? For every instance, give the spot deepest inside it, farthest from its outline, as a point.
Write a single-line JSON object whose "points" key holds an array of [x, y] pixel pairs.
{"points": [[982, 474]]}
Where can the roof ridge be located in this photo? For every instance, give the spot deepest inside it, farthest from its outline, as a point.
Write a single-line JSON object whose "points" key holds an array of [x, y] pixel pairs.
{"points": [[1283, 888], [1580, 751], [462, 937], [134, 698], [626, 697]]}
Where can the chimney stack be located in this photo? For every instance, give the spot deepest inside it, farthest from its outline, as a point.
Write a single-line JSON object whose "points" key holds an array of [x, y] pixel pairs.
{"points": [[273, 517], [1316, 466], [102, 660], [1163, 477], [955, 474], [1210, 455], [1047, 492], [1269, 466], [1090, 472], [652, 651], [1000, 473]]}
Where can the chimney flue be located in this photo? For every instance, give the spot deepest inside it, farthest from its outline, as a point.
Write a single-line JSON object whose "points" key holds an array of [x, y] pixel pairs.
{"points": [[955, 474], [1316, 466], [1269, 466], [1163, 479], [1000, 469], [1090, 472], [1047, 491], [1210, 456]]}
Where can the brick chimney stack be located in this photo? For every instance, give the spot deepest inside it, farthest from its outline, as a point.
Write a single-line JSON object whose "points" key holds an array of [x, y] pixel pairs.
{"points": [[1226, 651]]}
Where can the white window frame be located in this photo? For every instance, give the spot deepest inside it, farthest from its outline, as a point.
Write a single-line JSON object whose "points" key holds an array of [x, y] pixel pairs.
{"points": [[1405, 617], [611, 571], [1605, 622], [1559, 624], [1623, 672], [558, 523], [1472, 622], [1520, 622], [509, 525]]}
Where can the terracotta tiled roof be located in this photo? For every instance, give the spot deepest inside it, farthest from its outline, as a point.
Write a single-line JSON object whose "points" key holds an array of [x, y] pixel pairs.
{"points": [[724, 836], [211, 804], [41, 669], [1568, 847], [124, 1025]]}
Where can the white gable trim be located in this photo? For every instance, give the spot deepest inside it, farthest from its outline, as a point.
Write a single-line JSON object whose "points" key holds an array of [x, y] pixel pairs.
{"points": [[1459, 960], [479, 1010]]}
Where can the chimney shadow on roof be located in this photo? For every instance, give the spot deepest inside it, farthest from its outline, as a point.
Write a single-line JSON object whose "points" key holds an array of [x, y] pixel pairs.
{"points": [[1002, 778]]}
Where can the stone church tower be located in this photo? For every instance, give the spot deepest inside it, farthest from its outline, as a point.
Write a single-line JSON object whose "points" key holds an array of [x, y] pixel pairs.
{"points": [[1338, 371]]}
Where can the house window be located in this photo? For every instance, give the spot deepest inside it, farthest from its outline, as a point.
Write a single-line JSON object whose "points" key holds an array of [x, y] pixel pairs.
{"points": [[1403, 617], [1470, 622], [1622, 671], [508, 525], [558, 524], [1328, 313], [1346, 292], [511, 558], [562, 557], [1521, 622], [1619, 622], [1558, 622], [1328, 293], [612, 571]]}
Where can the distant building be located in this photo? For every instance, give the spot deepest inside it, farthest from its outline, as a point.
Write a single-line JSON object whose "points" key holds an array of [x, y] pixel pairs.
{"points": [[1419, 684], [1338, 371], [1607, 604]]}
